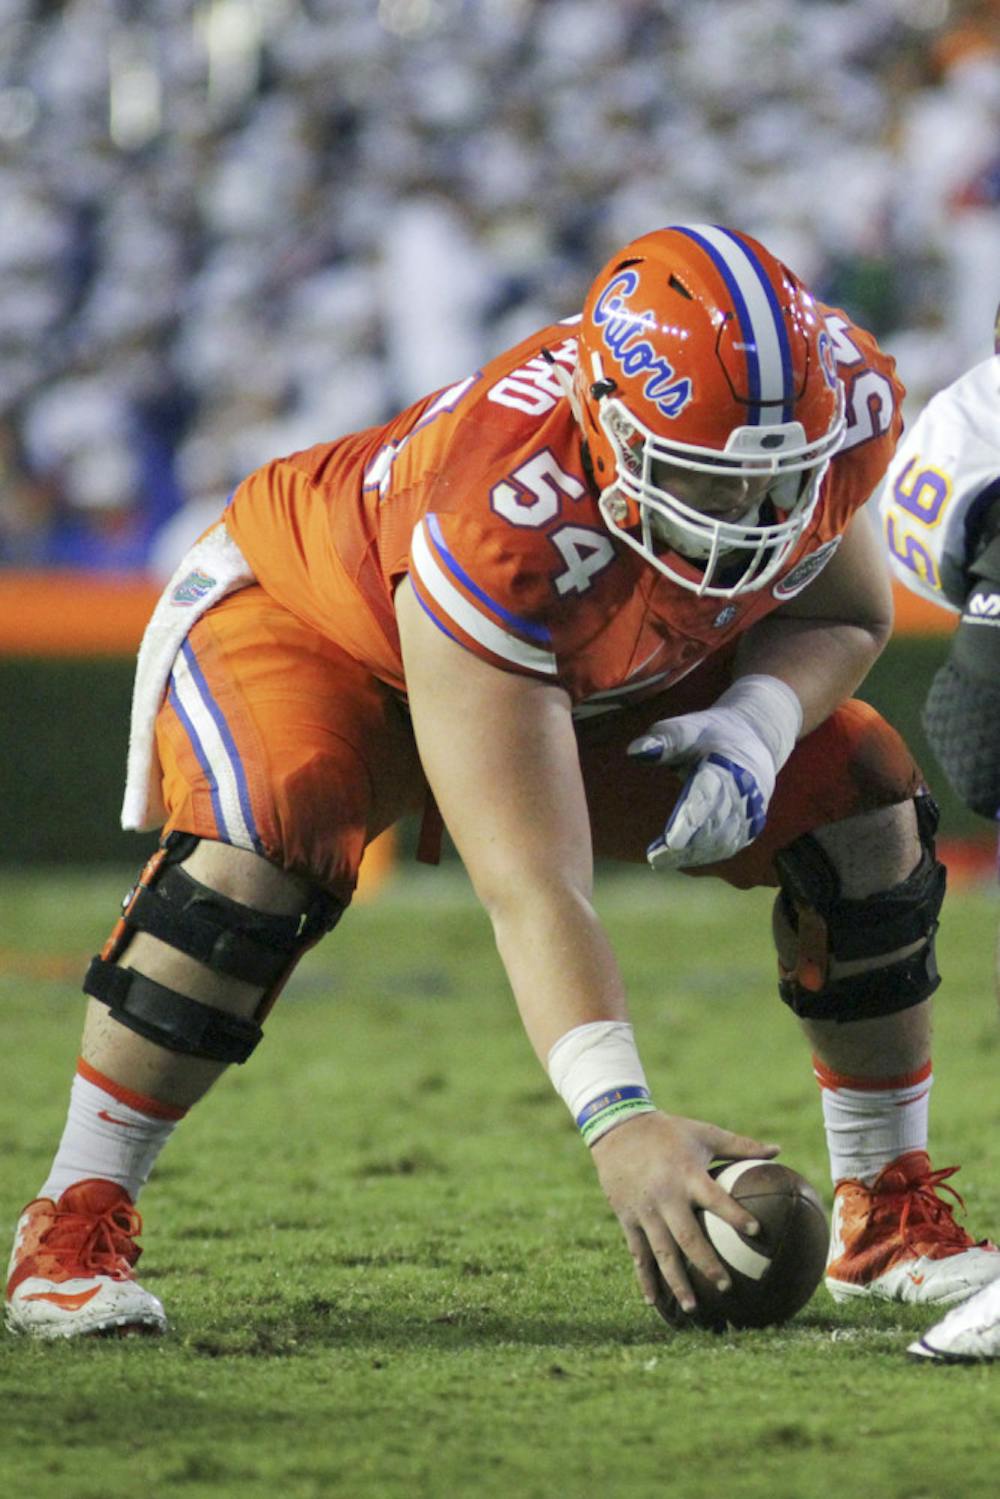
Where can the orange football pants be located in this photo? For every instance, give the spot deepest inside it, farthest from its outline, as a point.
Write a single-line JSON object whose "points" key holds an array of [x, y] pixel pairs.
{"points": [[273, 738]]}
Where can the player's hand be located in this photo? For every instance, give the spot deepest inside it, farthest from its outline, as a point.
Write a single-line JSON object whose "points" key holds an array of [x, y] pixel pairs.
{"points": [[733, 752], [654, 1171]]}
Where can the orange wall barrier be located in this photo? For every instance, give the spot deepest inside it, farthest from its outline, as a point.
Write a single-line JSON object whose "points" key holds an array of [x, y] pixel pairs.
{"points": [[67, 646], [915, 616], [73, 614], [83, 614]]}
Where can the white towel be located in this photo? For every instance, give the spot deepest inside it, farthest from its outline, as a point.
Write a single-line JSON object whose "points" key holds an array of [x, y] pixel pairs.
{"points": [[213, 568]]}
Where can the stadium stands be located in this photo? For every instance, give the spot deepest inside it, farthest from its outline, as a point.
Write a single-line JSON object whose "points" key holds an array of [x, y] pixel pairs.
{"points": [[230, 228]]}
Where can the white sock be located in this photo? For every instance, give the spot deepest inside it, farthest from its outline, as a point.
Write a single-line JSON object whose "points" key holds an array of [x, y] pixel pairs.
{"points": [[111, 1133], [871, 1121]]}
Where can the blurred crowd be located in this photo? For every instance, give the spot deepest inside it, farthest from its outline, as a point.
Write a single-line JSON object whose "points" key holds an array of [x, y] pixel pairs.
{"points": [[231, 228]]}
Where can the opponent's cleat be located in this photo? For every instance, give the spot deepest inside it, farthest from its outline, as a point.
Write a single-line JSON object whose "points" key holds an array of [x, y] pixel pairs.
{"points": [[897, 1240], [968, 1334], [71, 1270]]}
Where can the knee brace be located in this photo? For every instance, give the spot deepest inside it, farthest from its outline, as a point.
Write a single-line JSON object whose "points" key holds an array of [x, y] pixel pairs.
{"points": [[829, 925], [228, 937], [960, 717]]}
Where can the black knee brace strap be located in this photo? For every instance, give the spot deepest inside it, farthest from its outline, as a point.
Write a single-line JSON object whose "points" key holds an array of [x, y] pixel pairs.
{"points": [[169, 1018], [230, 938], [829, 925], [221, 933]]}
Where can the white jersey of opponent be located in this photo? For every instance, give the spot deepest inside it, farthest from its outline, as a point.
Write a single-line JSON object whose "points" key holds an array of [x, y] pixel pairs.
{"points": [[945, 471]]}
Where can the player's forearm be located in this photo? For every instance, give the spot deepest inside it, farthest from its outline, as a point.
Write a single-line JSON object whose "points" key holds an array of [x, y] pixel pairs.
{"points": [[822, 661], [823, 641], [558, 960]]}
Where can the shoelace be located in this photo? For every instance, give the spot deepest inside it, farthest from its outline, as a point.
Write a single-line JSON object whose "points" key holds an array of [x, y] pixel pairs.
{"points": [[102, 1244], [922, 1213]]}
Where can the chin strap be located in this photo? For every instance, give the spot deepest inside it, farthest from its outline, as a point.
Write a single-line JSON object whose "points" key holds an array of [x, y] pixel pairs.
{"points": [[568, 383]]}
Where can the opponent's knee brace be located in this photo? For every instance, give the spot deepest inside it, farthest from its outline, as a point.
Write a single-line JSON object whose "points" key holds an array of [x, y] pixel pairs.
{"points": [[963, 703], [228, 937], [960, 719], [827, 925]]}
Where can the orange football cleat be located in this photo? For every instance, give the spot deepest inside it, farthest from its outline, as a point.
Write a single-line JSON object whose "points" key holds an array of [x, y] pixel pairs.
{"points": [[71, 1269], [898, 1240]]}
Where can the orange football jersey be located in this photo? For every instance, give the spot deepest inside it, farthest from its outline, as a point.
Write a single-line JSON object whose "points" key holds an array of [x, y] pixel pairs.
{"points": [[480, 495]]}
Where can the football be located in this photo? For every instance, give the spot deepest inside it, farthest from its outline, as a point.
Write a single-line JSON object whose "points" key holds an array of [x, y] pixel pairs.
{"points": [[774, 1274]]}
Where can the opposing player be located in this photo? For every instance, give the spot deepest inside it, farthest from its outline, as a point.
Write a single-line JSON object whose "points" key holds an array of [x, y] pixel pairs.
{"points": [[610, 594], [941, 516]]}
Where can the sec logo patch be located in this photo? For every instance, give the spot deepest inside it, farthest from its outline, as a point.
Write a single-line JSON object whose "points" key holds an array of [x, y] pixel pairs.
{"points": [[803, 572]]}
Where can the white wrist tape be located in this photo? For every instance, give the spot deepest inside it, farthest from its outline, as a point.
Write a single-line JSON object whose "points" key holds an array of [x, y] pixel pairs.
{"points": [[771, 708], [596, 1071]]}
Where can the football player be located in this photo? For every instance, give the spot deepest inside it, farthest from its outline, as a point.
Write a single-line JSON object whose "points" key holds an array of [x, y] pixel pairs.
{"points": [[940, 509], [609, 595]]}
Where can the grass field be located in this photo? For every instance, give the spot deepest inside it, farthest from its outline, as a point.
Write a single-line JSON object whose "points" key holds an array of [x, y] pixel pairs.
{"points": [[389, 1268]]}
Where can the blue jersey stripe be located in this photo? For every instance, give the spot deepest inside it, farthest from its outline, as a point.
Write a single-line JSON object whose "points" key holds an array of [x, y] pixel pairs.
{"points": [[242, 789], [203, 761], [433, 617], [517, 622]]}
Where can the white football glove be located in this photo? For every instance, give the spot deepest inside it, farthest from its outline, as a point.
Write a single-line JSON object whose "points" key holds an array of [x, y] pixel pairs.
{"points": [[734, 750]]}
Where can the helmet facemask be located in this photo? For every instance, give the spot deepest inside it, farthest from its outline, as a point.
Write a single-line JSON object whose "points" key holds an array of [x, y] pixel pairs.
{"points": [[723, 557]]}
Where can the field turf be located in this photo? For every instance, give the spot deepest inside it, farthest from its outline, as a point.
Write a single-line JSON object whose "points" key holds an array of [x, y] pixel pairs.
{"points": [[390, 1271]]}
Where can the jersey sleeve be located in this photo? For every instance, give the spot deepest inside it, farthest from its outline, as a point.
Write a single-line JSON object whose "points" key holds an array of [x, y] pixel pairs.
{"points": [[943, 483], [487, 591], [873, 397]]}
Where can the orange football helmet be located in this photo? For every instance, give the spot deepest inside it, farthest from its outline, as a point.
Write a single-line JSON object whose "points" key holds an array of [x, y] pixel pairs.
{"points": [[699, 351]]}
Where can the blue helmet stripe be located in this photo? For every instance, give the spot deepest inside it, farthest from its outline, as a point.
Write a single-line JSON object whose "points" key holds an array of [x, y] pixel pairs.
{"points": [[780, 326], [762, 327]]}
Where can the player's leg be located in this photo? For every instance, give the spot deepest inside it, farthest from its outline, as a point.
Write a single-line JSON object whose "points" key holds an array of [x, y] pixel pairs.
{"points": [[318, 758], [849, 840], [239, 911], [165, 1027], [854, 927]]}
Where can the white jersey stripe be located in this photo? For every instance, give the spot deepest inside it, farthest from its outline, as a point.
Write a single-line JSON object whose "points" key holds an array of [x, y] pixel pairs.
{"points": [[455, 606], [213, 750]]}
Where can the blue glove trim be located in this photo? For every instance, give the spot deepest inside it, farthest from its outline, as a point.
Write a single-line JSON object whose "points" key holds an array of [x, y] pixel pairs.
{"points": [[746, 785]]}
